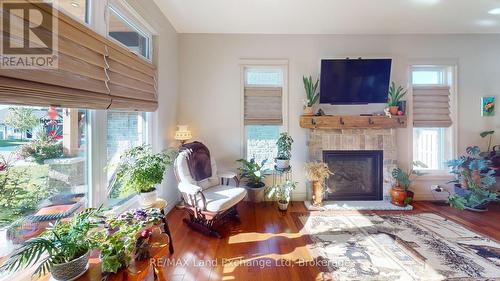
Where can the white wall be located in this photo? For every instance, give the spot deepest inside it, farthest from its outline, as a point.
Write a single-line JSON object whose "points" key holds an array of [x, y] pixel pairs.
{"points": [[209, 83], [166, 60]]}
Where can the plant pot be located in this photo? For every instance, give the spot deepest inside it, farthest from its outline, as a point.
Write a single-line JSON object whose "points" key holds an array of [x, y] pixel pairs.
{"points": [[147, 199], [394, 109], [256, 194], [282, 164], [283, 205], [462, 192], [398, 196], [308, 111], [70, 270], [317, 193]]}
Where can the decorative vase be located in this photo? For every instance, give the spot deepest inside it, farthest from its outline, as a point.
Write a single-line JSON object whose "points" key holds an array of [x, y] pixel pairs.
{"points": [[282, 164], [308, 111], [283, 205], [317, 193], [71, 270], [147, 199], [394, 109], [256, 194], [398, 196]]}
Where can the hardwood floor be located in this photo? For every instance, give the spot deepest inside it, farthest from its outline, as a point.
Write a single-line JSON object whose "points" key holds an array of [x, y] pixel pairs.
{"points": [[267, 245]]}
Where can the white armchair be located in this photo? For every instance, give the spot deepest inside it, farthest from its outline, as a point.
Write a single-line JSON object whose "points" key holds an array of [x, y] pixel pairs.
{"points": [[208, 202]]}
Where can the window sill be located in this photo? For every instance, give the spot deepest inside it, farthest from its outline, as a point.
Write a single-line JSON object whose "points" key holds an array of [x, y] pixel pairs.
{"points": [[435, 175]]}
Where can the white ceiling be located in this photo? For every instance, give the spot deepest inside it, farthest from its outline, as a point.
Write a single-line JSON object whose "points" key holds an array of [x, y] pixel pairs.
{"points": [[332, 16]]}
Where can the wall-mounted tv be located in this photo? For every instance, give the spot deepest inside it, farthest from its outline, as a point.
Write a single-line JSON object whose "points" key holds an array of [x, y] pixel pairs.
{"points": [[354, 81]]}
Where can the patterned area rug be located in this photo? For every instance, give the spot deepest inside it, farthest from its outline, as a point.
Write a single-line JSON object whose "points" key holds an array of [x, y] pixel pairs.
{"points": [[399, 247]]}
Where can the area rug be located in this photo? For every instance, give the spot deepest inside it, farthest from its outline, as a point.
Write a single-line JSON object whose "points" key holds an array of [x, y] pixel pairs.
{"points": [[398, 247]]}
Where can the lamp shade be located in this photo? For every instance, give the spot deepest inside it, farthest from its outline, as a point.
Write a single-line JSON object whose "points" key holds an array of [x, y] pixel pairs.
{"points": [[183, 133]]}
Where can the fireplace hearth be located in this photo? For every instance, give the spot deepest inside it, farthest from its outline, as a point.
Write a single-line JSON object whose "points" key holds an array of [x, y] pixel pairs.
{"points": [[358, 174]]}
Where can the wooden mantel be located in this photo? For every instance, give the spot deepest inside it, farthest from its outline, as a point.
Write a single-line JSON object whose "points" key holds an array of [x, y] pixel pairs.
{"points": [[352, 122]]}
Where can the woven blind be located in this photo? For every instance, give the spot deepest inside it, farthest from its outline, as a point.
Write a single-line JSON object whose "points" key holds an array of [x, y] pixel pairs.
{"points": [[431, 106], [263, 106], [93, 72]]}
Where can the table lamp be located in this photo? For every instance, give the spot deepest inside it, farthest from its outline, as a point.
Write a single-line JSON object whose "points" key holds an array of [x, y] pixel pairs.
{"points": [[182, 134]]}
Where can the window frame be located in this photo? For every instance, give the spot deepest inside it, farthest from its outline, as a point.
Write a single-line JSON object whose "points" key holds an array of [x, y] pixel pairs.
{"points": [[450, 78]]}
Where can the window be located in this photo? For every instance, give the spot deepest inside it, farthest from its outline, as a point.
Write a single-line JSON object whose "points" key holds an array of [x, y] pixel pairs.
{"points": [[263, 112], [433, 129], [124, 130], [44, 175], [78, 9], [126, 32]]}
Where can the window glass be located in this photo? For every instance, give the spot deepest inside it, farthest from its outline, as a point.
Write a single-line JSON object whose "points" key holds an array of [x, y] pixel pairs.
{"points": [[263, 77], [261, 143], [124, 131], [43, 170], [427, 77], [75, 8], [432, 146], [126, 33]]}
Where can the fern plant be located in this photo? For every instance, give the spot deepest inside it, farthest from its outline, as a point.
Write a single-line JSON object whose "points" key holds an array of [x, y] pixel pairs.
{"points": [[311, 88], [60, 243], [395, 94]]}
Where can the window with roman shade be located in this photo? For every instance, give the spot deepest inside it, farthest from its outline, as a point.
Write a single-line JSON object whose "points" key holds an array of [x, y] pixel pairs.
{"points": [[263, 106], [431, 106], [93, 72]]}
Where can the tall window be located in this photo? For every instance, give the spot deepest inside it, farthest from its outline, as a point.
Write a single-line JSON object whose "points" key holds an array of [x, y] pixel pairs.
{"points": [[43, 170], [124, 131], [263, 116], [128, 33], [432, 107]]}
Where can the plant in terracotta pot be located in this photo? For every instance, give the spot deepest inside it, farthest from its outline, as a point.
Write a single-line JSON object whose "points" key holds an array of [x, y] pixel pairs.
{"points": [[400, 193], [284, 145], [140, 170], [394, 96], [317, 173], [473, 180], [254, 174], [312, 95], [63, 249], [281, 193]]}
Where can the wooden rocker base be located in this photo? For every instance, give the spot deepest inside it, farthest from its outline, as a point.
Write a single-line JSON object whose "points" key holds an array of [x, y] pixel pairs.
{"points": [[206, 223]]}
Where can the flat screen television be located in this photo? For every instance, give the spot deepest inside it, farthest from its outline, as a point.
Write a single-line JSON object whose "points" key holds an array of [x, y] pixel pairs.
{"points": [[354, 81]]}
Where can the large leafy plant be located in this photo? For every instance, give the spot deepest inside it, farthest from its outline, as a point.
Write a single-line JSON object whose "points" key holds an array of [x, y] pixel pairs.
{"points": [[473, 174], [405, 178], [311, 88], [45, 146], [253, 172], [62, 242], [395, 94], [284, 145], [140, 169], [281, 192]]}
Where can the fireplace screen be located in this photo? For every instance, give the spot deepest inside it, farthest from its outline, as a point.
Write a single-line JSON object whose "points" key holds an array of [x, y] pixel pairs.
{"points": [[357, 175]]}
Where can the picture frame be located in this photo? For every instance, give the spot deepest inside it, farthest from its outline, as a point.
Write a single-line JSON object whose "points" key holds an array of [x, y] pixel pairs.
{"points": [[488, 106]]}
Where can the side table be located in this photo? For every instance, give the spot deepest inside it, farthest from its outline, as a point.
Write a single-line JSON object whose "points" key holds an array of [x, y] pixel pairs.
{"points": [[227, 175]]}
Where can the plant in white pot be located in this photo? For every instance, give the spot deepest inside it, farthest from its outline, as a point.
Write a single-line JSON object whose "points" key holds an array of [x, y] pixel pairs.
{"points": [[63, 249], [281, 193], [254, 174], [140, 170], [284, 145], [312, 95]]}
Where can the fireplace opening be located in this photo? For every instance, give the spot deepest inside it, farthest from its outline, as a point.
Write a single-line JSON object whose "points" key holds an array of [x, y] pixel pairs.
{"points": [[358, 174]]}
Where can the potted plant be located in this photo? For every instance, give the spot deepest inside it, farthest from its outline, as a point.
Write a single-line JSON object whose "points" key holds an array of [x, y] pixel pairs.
{"points": [[281, 193], [63, 249], [284, 145], [492, 154], [317, 173], [395, 95], [312, 95], [140, 170], [473, 180], [400, 193], [254, 174]]}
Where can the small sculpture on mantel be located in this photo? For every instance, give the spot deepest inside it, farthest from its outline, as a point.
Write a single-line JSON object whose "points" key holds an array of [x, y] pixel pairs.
{"points": [[387, 112]]}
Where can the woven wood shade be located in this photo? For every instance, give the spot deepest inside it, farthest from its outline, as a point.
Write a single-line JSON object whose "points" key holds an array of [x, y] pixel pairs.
{"points": [[431, 106], [263, 106], [93, 72]]}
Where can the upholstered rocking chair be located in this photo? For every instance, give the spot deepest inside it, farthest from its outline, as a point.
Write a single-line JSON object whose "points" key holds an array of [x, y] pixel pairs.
{"points": [[207, 201]]}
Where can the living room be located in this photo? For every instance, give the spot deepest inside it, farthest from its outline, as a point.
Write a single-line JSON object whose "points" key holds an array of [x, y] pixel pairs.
{"points": [[238, 140]]}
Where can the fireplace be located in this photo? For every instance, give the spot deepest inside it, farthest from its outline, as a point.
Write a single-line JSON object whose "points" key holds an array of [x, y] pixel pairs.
{"points": [[358, 174]]}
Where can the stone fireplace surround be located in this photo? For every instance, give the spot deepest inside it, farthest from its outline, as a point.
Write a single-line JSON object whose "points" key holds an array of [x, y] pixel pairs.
{"points": [[356, 139]]}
